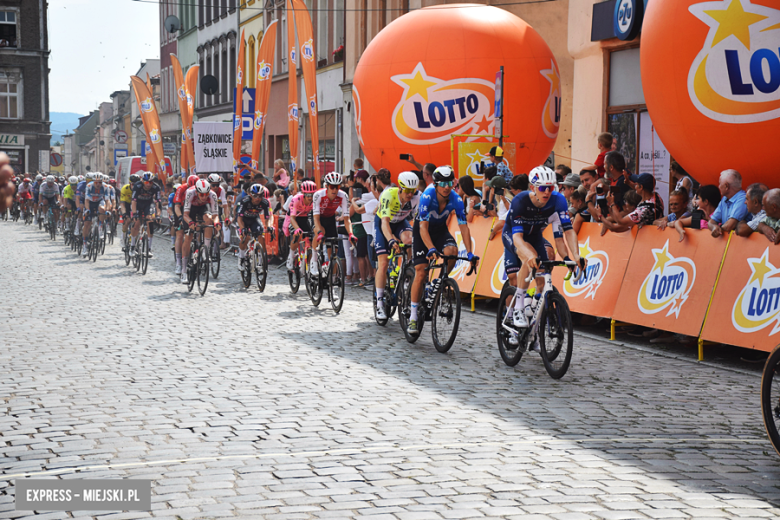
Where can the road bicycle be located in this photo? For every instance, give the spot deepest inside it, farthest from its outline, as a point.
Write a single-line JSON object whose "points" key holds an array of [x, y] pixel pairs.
{"points": [[28, 214], [142, 251], [550, 326], [770, 397], [198, 260], [50, 224], [440, 304], [15, 211], [396, 264], [96, 242], [255, 261], [301, 258], [331, 275]]}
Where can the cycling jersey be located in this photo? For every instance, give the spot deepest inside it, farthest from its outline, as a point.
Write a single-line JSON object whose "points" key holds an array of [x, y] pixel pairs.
{"points": [[526, 218], [429, 208], [247, 209], [36, 187], [390, 205], [49, 191], [220, 195], [299, 207], [180, 194], [170, 199], [95, 194], [69, 193], [111, 197], [191, 200], [81, 188], [126, 195], [25, 188], [326, 207], [144, 196]]}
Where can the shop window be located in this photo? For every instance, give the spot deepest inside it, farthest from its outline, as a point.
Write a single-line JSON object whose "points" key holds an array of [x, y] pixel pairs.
{"points": [[8, 29], [625, 78], [10, 94]]}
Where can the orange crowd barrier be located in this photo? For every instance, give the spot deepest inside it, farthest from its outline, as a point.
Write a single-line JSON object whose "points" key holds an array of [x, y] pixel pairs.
{"points": [[745, 309], [272, 246], [479, 230], [668, 283]]}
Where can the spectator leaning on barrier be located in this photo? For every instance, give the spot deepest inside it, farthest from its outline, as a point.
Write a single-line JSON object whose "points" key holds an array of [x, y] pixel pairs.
{"points": [[754, 200], [501, 203], [683, 180], [645, 213], [630, 202], [678, 208], [569, 185], [469, 195], [770, 224], [732, 206], [587, 178], [578, 210], [497, 158], [705, 202]]}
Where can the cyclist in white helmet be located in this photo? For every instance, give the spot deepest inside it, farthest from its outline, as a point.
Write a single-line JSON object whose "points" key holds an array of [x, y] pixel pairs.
{"points": [[324, 206]]}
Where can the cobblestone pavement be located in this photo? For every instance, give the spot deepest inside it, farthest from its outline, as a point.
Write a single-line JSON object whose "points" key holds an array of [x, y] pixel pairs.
{"points": [[241, 404]]}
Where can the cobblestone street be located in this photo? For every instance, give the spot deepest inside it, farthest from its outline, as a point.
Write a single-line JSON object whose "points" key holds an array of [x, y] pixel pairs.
{"points": [[246, 404]]}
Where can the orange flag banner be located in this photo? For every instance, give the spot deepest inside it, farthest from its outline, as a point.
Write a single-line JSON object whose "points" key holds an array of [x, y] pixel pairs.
{"points": [[237, 117], [265, 71], [309, 66], [191, 87], [292, 92], [181, 94], [151, 123]]}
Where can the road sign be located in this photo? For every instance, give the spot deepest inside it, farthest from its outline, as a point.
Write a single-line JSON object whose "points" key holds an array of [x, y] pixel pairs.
{"points": [[56, 159], [120, 136], [245, 159], [247, 111]]}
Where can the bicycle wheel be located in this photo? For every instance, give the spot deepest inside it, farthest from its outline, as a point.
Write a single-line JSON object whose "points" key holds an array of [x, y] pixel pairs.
{"points": [[307, 271], [144, 253], [336, 286], [203, 269], [260, 267], [316, 283], [294, 276], [103, 241], [246, 274], [770, 397], [556, 338], [192, 272], [511, 354], [446, 315], [52, 226], [216, 258], [127, 248]]}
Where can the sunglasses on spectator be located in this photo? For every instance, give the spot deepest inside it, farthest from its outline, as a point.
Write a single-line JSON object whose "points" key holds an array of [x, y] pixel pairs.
{"points": [[445, 184], [544, 189]]}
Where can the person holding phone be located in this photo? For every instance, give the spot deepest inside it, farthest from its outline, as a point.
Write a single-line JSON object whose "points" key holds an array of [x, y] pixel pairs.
{"points": [[427, 168]]}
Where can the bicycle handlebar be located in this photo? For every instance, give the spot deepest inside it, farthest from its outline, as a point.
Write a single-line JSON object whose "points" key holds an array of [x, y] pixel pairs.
{"points": [[547, 265], [445, 258]]}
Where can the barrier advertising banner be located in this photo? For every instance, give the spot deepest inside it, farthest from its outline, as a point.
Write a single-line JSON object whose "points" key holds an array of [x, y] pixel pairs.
{"points": [[480, 231], [668, 283], [745, 308], [213, 146], [470, 155], [596, 293]]}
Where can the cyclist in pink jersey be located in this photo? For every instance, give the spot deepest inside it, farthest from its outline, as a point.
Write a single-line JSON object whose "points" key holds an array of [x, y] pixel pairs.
{"points": [[298, 218]]}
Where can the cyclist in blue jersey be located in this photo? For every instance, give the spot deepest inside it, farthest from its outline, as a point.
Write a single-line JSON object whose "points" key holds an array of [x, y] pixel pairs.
{"points": [[95, 196], [431, 237], [529, 214], [36, 188]]}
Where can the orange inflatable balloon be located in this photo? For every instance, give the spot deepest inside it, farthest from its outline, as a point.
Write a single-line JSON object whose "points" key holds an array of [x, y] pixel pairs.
{"points": [[432, 72], [711, 78]]}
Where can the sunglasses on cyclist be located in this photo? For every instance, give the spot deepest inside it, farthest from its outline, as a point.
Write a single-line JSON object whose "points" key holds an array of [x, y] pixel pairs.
{"points": [[408, 191], [544, 189], [445, 184], [333, 186]]}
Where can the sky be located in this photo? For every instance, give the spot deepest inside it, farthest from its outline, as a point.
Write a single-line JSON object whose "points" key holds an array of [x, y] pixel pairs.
{"points": [[96, 45]]}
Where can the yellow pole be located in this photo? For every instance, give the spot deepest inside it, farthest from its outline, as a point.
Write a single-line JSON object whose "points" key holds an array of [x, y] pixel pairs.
{"points": [[712, 297]]}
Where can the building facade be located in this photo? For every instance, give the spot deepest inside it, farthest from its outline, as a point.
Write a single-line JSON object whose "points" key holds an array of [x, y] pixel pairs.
{"points": [[217, 37], [24, 84]]}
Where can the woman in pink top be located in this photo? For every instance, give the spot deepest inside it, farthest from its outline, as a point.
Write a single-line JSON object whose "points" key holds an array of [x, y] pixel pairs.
{"points": [[281, 177]]}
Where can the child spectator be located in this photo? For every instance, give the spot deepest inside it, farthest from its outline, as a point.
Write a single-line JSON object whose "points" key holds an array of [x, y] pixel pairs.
{"points": [[645, 212], [631, 201], [705, 204], [578, 210], [604, 142]]}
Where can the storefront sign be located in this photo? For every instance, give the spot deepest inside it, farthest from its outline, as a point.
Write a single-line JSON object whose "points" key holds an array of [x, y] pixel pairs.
{"points": [[628, 18], [653, 157], [12, 139]]}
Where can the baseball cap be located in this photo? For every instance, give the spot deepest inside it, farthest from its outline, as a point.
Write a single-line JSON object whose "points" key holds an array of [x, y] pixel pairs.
{"points": [[646, 180], [497, 151], [572, 180], [495, 182], [362, 175]]}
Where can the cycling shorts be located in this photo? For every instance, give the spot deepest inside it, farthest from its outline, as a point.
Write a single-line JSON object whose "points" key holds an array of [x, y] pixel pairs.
{"points": [[329, 224], [197, 213], [25, 196], [94, 208], [511, 261], [70, 204], [51, 201], [254, 227], [128, 206], [145, 210], [441, 237], [380, 242], [303, 223]]}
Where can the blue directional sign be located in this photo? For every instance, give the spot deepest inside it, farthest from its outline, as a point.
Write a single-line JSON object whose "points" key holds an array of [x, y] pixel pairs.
{"points": [[247, 101]]}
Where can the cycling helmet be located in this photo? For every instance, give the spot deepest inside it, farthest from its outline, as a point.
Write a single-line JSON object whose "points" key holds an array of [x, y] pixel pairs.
{"points": [[308, 187], [443, 174], [73, 179], [202, 186], [50, 178], [191, 180], [89, 176], [147, 176], [408, 181], [542, 176], [257, 189], [333, 178], [134, 178], [26, 179], [214, 178], [112, 182], [62, 179], [39, 177], [81, 178]]}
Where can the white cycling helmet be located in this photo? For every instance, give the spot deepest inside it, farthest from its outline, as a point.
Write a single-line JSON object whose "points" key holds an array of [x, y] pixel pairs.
{"points": [[443, 174], [73, 179], [89, 176], [81, 178], [51, 178], [39, 177], [214, 178], [333, 178], [408, 181], [542, 176], [202, 186]]}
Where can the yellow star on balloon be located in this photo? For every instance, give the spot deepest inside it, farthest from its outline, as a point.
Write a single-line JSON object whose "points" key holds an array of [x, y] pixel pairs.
{"points": [[552, 76], [734, 21], [760, 268], [662, 257], [418, 85]]}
